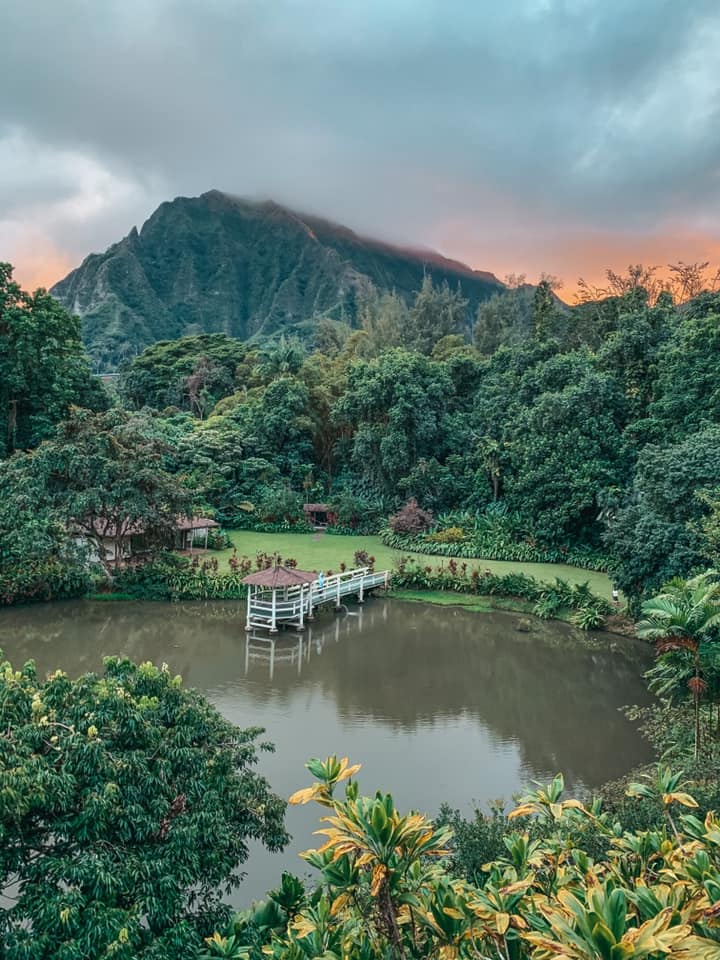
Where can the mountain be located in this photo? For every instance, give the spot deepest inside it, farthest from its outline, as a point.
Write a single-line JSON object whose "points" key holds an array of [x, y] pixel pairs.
{"points": [[218, 263]]}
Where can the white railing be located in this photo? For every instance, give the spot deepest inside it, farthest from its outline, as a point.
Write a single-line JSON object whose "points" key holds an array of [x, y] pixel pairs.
{"points": [[295, 603]]}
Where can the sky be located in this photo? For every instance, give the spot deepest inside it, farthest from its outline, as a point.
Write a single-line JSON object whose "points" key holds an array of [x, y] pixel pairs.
{"points": [[519, 136]]}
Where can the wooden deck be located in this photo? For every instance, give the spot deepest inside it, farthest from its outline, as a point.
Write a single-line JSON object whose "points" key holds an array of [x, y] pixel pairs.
{"points": [[294, 606]]}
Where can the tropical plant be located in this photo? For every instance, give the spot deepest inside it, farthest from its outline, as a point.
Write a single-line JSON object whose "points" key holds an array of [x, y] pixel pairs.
{"points": [[411, 519], [385, 893], [679, 621]]}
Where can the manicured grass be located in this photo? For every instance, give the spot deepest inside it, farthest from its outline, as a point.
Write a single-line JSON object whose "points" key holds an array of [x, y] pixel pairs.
{"points": [[326, 552]]}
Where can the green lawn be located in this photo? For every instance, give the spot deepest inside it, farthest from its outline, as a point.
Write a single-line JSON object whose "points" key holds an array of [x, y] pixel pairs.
{"points": [[314, 552]]}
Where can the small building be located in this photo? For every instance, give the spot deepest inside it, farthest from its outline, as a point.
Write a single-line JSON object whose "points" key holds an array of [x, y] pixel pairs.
{"points": [[191, 531], [113, 542], [319, 515]]}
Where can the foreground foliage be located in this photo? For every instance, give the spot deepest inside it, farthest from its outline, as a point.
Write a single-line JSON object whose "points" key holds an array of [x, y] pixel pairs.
{"points": [[126, 807], [385, 892]]}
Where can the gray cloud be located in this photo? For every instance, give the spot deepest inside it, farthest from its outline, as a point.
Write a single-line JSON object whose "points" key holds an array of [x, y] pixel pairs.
{"points": [[506, 123]]}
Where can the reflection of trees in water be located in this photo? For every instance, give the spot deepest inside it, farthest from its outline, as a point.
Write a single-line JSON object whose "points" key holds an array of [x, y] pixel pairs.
{"points": [[553, 690], [555, 694]]}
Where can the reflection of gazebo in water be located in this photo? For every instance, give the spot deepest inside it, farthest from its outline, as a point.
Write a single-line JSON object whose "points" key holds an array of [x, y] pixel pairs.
{"points": [[279, 594]]}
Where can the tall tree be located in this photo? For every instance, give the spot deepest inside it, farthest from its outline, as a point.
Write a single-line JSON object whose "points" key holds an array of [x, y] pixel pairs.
{"points": [[436, 312], [43, 367], [105, 476], [656, 533]]}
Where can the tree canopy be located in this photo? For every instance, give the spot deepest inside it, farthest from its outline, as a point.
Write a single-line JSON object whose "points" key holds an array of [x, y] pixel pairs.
{"points": [[126, 807], [43, 367]]}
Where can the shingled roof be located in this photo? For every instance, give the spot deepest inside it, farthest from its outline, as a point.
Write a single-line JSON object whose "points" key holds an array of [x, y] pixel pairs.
{"points": [[274, 577]]}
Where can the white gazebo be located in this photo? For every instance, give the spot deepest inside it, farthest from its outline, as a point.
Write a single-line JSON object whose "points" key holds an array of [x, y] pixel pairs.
{"points": [[279, 595]]}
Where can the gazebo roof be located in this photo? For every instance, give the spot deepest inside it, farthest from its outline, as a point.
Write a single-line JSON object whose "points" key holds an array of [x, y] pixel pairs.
{"points": [[316, 508], [274, 577]]}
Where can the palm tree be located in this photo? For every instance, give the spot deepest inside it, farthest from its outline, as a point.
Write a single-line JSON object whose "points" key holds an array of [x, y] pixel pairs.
{"points": [[281, 359], [680, 620]]}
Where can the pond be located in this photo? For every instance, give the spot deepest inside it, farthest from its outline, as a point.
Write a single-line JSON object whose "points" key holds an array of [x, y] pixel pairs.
{"points": [[439, 704]]}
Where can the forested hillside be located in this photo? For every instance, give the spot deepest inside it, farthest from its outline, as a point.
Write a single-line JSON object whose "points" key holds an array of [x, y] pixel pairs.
{"points": [[217, 263], [588, 436]]}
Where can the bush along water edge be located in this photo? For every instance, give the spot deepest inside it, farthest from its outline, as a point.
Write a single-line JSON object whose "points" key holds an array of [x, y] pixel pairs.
{"points": [[550, 600]]}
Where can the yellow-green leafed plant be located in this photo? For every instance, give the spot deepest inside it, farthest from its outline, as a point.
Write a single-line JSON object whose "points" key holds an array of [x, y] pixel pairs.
{"points": [[385, 891]]}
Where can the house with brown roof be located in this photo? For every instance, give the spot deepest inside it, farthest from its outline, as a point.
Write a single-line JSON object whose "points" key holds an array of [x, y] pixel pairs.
{"points": [[110, 541]]}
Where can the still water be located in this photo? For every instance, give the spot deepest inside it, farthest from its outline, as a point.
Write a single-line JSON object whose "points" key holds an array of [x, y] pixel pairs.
{"points": [[437, 703]]}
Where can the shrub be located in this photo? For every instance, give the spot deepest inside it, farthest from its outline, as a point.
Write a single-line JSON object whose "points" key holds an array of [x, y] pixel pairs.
{"points": [[219, 540], [549, 598], [478, 546], [450, 535], [411, 519], [362, 558]]}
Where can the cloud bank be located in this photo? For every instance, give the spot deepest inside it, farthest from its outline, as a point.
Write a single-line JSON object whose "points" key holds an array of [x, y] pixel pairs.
{"points": [[538, 134]]}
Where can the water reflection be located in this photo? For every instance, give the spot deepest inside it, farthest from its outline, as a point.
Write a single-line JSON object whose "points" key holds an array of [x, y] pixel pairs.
{"points": [[438, 703]]}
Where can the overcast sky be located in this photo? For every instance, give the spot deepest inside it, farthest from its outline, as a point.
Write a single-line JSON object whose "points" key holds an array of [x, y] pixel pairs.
{"points": [[517, 135]]}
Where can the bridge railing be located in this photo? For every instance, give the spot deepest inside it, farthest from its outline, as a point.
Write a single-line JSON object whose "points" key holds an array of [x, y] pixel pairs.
{"points": [[293, 600]]}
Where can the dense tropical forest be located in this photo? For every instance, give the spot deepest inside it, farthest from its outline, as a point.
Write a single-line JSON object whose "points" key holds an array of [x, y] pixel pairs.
{"points": [[587, 434]]}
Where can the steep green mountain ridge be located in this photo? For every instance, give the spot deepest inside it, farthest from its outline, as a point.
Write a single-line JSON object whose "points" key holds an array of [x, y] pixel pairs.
{"points": [[217, 263]]}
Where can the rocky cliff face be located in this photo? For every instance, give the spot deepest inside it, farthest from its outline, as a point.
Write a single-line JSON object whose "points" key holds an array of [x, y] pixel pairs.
{"points": [[216, 263]]}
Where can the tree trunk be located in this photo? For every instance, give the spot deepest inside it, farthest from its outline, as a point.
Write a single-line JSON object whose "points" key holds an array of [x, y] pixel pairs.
{"points": [[696, 694]]}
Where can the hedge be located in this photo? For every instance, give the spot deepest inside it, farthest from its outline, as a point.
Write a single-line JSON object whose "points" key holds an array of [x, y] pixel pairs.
{"points": [[476, 548]]}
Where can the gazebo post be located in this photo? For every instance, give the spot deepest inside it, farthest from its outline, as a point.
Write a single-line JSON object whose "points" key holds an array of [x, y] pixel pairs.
{"points": [[302, 606], [249, 604], [273, 612], [270, 600]]}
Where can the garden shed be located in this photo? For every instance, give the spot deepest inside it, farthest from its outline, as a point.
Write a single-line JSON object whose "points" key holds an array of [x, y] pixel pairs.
{"points": [[318, 515]]}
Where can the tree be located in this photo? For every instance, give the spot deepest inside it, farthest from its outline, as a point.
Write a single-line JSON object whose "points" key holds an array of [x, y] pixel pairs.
{"points": [[505, 318], [38, 561], [687, 394], [43, 367], [281, 359], [395, 405], [193, 373], [127, 806], [679, 621], [436, 313], [105, 475], [544, 306], [382, 319], [656, 533], [565, 450]]}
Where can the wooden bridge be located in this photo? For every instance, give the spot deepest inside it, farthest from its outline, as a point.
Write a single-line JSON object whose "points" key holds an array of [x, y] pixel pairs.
{"points": [[283, 596]]}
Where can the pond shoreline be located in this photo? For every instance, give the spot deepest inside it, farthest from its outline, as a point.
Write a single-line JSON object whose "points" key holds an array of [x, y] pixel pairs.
{"points": [[617, 624]]}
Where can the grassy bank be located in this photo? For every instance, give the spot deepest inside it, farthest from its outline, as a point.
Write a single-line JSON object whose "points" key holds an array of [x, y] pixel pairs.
{"points": [[448, 598], [325, 552]]}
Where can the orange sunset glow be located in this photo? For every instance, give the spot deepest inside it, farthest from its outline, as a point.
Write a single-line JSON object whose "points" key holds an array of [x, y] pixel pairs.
{"points": [[567, 256]]}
